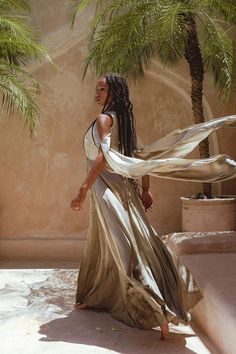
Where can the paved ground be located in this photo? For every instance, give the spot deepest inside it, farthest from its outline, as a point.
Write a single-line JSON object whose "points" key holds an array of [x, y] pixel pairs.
{"points": [[37, 316]]}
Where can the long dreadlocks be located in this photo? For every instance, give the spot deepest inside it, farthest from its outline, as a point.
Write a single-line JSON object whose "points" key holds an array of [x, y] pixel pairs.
{"points": [[121, 104], [118, 89]]}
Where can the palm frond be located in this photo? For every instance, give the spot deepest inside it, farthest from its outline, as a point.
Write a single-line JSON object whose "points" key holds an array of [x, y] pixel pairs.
{"points": [[224, 9], [9, 5], [146, 8], [19, 91], [16, 33], [172, 33], [74, 7], [19, 43], [16, 25], [18, 51], [127, 40], [126, 35], [218, 54]]}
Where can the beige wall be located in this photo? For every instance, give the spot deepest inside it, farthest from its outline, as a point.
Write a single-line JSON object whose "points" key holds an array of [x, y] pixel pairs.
{"points": [[40, 177]]}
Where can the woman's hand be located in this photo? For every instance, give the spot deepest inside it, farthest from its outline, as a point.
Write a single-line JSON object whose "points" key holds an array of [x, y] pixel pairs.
{"points": [[147, 200], [77, 203]]}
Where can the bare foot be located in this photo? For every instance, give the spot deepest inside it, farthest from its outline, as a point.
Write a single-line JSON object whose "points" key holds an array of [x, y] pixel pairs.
{"points": [[164, 330], [82, 306]]}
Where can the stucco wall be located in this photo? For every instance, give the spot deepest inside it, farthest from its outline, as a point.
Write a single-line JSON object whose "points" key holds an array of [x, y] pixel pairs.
{"points": [[39, 177]]}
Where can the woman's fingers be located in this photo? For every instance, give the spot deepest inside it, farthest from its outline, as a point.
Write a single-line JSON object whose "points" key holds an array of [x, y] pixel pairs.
{"points": [[77, 203], [148, 208], [147, 200], [77, 207], [148, 204]]}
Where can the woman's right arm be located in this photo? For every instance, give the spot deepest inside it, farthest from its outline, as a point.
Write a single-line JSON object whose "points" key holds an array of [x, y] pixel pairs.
{"points": [[104, 123]]}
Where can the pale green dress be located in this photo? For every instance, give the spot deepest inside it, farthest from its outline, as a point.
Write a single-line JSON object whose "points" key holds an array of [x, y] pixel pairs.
{"points": [[126, 268]]}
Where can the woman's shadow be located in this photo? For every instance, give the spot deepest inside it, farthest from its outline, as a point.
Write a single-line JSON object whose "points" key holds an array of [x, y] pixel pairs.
{"points": [[96, 328]]}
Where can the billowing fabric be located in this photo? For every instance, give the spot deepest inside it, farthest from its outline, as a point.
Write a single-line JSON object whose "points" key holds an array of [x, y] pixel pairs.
{"points": [[164, 158], [126, 268]]}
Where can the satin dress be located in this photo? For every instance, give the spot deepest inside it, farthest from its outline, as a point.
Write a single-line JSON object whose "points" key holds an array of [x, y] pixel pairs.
{"points": [[126, 268]]}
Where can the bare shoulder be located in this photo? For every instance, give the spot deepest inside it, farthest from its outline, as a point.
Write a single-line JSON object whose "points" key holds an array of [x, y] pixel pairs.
{"points": [[104, 123]]}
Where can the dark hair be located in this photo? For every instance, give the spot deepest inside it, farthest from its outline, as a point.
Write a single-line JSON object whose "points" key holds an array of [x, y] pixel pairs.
{"points": [[123, 108]]}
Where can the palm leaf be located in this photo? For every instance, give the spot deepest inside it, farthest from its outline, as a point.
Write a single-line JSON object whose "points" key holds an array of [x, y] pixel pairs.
{"points": [[221, 9], [74, 7], [16, 26], [126, 35], [19, 91], [108, 49], [9, 5], [19, 44], [218, 55], [172, 34]]}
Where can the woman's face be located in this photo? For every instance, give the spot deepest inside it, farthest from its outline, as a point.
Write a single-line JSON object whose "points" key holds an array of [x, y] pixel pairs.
{"points": [[102, 90]]}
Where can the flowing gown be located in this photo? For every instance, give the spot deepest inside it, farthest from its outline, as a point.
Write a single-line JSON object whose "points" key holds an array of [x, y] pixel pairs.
{"points": [[126, 268]]}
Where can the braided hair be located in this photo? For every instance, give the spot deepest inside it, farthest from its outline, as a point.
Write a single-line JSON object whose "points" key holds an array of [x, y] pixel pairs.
{"points": [[118, 89]]}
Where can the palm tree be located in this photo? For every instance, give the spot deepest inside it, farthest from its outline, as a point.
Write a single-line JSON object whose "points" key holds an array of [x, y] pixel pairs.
{"points": [[18, 44], [125, 35]]}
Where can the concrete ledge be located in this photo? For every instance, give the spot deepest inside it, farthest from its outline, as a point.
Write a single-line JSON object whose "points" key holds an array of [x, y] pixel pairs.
{"points": [[216, 312], [211, 257], [43, 248], [201, 242]]}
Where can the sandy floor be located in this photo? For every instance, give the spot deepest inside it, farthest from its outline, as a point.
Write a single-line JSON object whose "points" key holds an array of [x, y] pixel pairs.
{"points": [[37, 316]]}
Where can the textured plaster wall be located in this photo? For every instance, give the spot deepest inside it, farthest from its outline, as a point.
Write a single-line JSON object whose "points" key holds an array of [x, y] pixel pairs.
{"points": [[39, 177]]}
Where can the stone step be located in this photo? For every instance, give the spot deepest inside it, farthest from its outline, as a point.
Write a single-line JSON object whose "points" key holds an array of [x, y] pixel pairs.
{"points": [[211, 258], [201, 242], [216, 313]]}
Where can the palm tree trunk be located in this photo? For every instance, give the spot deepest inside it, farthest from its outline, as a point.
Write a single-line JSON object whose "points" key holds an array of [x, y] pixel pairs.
{"points": [[194, 59]]}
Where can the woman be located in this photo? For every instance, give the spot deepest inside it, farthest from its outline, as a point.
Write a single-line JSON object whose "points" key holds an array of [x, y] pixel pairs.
{"points": [[126, 268]]}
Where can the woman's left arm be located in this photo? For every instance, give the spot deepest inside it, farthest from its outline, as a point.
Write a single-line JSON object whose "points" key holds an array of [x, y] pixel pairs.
{"points": [[104, 123]]}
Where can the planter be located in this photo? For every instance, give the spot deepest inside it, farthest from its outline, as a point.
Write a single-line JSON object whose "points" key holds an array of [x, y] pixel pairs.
{"points": [[218, 214]]}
